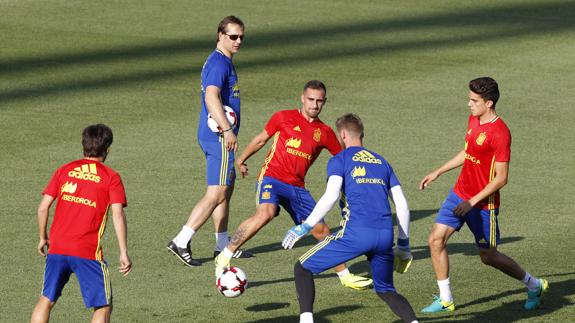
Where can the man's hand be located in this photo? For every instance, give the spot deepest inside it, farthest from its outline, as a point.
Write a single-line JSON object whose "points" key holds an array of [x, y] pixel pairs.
{"points": [[427, 180], [294, 234], [462, 208], [43, 244], [243, 168], [231, 140], [402, 256], [125, 265]]}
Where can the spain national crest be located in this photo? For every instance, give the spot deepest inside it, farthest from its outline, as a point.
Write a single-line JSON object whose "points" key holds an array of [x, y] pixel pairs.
{"points": [[266, 195], [317, 135], [481, 138]]}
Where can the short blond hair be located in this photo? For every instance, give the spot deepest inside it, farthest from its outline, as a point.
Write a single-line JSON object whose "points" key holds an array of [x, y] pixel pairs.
{"points": [[350, 122]]}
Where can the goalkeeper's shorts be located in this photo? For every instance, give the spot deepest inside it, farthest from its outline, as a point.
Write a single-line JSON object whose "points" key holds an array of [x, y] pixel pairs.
{"points": [[350, 243]]}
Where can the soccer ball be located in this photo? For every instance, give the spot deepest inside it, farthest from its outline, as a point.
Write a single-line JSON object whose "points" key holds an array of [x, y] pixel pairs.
{"points": [[230, 114], [232, 282]]}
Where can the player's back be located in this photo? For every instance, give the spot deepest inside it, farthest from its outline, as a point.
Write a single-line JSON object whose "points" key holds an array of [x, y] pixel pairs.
{"points": [[83, 190], [366, 183]]}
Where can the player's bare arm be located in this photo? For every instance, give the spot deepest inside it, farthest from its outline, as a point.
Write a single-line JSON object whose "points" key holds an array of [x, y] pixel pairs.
{"points": [[500, 180], [43, 211], [216, 110], [253, 147], [454, 162], [121, 227]]}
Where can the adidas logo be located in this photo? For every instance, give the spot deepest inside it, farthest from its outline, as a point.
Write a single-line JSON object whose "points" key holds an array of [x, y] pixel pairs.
{"points": [[297, 128], [293, 142], [365, 156], [68, 187], [358, 171], [87, 172]]}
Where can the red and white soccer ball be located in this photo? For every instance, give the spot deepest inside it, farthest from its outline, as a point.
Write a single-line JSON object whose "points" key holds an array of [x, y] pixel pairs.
{"points": [[232, 282], [230, 115]]}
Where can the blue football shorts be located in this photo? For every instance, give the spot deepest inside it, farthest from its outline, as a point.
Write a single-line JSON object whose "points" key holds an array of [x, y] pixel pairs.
{"points": [[219, 163], [92, 275], [482, 223], [350, 243], [297, 201]]}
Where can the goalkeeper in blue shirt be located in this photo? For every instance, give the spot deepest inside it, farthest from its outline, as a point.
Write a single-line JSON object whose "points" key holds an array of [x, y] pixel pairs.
{"points": [[365, 180]]}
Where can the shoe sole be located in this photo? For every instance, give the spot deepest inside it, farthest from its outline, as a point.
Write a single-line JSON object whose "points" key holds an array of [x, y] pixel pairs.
{"points": [[358, 288], [441, 311], [180, 258], [450, 308]]}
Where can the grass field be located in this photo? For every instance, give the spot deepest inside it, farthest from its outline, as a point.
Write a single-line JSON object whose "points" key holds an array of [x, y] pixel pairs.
{"points": [[402, 66]]}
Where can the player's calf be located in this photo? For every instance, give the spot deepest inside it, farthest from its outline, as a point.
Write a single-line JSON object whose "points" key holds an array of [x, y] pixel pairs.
{"points": [[305, 288], [102, 314], [398, 305]]}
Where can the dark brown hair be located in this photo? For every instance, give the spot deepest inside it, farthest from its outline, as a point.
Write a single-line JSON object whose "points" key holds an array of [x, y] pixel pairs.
{"points": [[316, 85], [225, 22], [96, 139], [487, 89]]}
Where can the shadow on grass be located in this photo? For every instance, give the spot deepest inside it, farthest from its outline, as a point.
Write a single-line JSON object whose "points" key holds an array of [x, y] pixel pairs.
{"points": [[467, 249], [491, 24], [309, 240], [422, 252], [558, 297], [260, 283], [321, 316], [267, 307]]}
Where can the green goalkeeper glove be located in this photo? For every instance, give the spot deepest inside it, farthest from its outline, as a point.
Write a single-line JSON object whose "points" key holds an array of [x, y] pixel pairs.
{"points": [[402, 256]]}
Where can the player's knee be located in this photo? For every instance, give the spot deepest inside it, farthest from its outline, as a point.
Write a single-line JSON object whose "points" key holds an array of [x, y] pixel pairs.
{"points": [[264, 215], [488, 257], [102, 313], [45, 302], [388, 296], [320, 231], [300, 271], [435, 241], [42, 310], [297, 268], [216, 194]]}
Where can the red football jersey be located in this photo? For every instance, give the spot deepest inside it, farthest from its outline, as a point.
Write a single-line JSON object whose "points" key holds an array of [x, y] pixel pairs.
{"points": [[484, 145], [84, 189], [296, 145]]}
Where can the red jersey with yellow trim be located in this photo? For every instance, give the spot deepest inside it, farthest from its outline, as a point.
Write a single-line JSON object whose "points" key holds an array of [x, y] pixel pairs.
{"points": [[485, 144], [83, 189], [296, 145]]}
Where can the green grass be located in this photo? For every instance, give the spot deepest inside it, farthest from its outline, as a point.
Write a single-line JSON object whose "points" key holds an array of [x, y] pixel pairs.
{"points": [[402, 66]]}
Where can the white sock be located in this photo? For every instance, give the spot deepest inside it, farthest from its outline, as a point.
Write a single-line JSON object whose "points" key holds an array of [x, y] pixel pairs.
{"points": [[227, 253], [444, 290], [416, 321], [306, 317], [222, 240], [342, 273], [531, 282], [184, 236]]}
